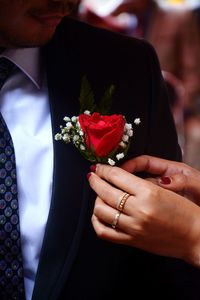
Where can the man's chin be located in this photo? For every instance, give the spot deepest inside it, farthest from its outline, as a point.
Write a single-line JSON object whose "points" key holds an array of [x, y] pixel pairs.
{"points": [[34, 42], [26, 41]]}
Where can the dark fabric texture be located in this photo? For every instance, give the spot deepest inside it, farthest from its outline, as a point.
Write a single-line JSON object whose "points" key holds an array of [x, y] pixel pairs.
{"points": [[6, 69], [75, 264], [11, 265]]}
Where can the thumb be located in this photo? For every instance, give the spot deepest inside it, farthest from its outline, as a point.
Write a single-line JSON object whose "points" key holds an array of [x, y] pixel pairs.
{"points": [[183, 184], [175, 182]]}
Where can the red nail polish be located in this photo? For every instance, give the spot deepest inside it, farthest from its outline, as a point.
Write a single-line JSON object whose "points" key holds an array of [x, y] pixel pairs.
{"points": [[93, 168], [165, 180], [88, 175]]}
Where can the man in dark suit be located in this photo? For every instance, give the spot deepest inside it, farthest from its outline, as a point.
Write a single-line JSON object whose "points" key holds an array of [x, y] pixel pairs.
{"points": [[62, 256]]}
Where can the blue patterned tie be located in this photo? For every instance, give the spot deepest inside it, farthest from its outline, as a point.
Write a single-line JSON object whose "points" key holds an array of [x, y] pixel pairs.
{"points": [[11, 268]]}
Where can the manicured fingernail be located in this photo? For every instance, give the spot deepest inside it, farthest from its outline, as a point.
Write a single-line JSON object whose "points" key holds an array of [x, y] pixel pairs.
{"points": [[88, 175], [93, 168], [165, 180]]}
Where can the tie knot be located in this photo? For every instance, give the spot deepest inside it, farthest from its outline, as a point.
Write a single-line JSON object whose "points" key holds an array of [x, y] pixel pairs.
{"points": [[6, 68]]}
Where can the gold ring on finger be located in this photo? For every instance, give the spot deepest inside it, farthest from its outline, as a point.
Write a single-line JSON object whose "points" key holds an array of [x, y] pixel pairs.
{"points": [[116, 219], [122, 201]]}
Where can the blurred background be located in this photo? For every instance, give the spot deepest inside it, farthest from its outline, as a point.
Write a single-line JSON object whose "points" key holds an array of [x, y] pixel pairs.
{"points": [[173, 28]]}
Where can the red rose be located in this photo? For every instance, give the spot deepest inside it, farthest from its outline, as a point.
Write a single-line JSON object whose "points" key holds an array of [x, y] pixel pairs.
{"points": [[102, 133]]}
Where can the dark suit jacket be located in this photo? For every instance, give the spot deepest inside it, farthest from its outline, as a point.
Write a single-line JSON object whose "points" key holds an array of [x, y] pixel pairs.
{"points": [[75, 264]]}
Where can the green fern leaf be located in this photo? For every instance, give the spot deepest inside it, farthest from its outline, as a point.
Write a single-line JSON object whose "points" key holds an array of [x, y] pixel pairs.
{"points": [[86, 97], [105, 103]]}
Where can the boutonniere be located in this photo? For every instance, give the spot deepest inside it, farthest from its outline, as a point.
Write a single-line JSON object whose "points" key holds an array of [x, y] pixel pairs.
{"points": [[99, 136]]}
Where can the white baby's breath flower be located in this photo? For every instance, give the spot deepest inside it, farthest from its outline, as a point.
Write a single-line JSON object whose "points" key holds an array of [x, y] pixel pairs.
{"points": [[66, 119], [125, 138], [58, 136], [120, 156], [69, 125], [74, 119], [122, 144], [82, 147], [128, 126], [64, 130], [137, 121], [75, 138], [66, 138], [81, 133], [130, 132], [111, 162], [78, 124], [87, 112]]}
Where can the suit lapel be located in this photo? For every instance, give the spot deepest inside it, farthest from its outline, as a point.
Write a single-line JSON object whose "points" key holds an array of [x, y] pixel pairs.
{"points": [[70, 186]]}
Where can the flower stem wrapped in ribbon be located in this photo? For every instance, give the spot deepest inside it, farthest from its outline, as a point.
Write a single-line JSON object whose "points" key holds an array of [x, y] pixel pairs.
{"points": [[99, 137]]}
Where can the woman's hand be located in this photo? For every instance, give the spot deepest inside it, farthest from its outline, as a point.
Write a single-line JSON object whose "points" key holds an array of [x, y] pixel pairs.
{"points": [[172, 175], [153, 218]]}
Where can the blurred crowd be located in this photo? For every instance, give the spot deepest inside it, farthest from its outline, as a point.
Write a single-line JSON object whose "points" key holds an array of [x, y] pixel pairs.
{"points": [[173, 28]]}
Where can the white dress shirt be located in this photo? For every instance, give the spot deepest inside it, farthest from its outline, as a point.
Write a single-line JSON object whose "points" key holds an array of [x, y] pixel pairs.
{"points": [[24, 104]]}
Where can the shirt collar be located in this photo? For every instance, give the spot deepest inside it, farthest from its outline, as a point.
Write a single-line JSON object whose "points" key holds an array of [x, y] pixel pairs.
{"points": [[28, 60]]}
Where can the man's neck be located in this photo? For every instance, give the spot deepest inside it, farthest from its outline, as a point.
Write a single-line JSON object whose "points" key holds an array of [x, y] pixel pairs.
{"points": [[28, 60]]}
